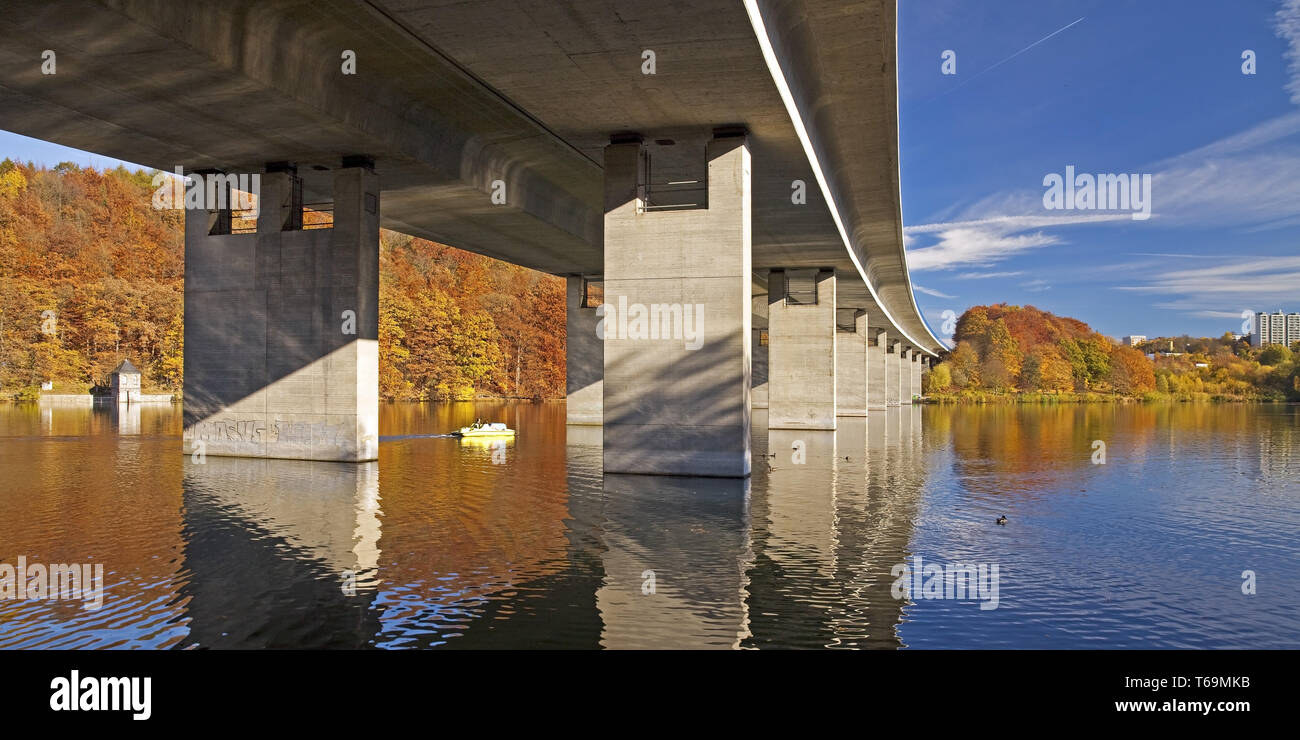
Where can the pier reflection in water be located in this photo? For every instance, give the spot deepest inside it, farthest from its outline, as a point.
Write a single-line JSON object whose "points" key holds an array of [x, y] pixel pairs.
{"points": [[524, 543], [291, 538]]}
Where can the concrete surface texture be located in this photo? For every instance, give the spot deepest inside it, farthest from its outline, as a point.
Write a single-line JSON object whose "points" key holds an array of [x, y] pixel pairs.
{"points": [[584, 357], [759, 340], [893, 361], [916, 374], [457, 101], [877, 375], [851, 367], [487, 126], [904, 368], [801, 353], [676, 400], [281, 328]]}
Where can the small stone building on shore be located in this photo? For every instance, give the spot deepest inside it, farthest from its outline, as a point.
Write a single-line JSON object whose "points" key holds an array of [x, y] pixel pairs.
{"points": [[124, 383]]}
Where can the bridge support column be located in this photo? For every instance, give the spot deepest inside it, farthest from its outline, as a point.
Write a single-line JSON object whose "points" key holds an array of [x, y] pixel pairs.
{"points": [[893, 361], [677, 404], [584, 356], [851, 365], [801, 354], [282, 326], [759, 339], [905, 376], [916, 373], [877, 352]]}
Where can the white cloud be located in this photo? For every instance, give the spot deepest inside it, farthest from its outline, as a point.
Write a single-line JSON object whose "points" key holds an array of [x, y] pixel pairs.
{"points": [[1246, 180], [987, 241], [986, 275], [1175, 254], [1242, 189], [1286, 23], [1227, 289], [1266, 132], [929, 291], [1216, 314]]}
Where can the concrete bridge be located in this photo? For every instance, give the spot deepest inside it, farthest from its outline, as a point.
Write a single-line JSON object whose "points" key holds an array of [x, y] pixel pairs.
{"points": [[727, 168]]}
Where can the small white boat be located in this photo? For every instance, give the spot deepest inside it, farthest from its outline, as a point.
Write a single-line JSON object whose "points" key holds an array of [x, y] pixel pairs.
{"points": [[478, 429]]}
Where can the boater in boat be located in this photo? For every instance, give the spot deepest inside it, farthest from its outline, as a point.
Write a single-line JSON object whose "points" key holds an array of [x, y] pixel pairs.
{"points": [[479, 429]]}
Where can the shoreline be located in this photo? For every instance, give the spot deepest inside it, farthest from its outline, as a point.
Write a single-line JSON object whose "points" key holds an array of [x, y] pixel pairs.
{"points": [[980, 398]]}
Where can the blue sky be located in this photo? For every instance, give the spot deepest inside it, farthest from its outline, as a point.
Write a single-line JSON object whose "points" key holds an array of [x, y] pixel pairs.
{"points": [[26, 149], [1153, 87]]}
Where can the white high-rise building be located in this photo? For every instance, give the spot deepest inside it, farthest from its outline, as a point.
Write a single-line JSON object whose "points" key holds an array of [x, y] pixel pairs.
{"points": [[1275, 328]]}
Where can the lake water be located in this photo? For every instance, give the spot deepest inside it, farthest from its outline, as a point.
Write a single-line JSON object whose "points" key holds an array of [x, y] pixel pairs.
{"points": [[524, 544]]}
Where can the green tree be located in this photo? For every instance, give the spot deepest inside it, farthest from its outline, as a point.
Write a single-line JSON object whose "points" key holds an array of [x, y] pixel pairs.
{"points": [[1088, 359], [1274, 354], [939, 379]]}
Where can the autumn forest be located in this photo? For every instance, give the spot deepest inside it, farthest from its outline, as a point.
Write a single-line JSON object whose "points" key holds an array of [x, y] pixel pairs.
{"points": [[1005, 351], [91, 273]]}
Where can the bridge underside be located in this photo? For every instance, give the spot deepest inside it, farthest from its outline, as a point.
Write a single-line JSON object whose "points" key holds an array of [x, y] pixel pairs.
{"points": [[487, 126]]}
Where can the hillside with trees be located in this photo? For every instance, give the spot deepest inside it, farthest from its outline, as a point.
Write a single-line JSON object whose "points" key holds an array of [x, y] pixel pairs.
{"points": [[1023, 352], [91, 273]]}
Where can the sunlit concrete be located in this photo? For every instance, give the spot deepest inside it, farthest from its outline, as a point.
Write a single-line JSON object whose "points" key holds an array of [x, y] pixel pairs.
{"points": [[851, 368], [801, 354], [676, 397], [453, 99], [877, 369], [905, 376], [893, 373], [915, 374], [487, 124], [281, 330]]}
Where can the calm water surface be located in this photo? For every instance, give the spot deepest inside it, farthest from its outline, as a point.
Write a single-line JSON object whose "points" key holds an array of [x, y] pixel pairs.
{"points": [[470, 544]]}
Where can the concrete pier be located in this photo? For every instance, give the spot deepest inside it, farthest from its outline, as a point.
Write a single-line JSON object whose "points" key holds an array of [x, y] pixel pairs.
{"points": [[916, 373], [584, 356], [495, 156], [877, 395], [677, 404], [759, 340], [801, 352], [892, 351], [281, 327], [905, 376], [851, 365], [892, 367]]}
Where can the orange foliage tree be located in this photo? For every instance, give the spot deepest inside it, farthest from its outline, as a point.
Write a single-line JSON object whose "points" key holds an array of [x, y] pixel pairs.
{"points": [[91, 273], [1008, 348]]}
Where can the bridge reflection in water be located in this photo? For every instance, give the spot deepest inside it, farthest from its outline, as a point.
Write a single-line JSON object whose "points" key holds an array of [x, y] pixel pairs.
{"points": [[525, 544], [294, 544], [456, 544]]}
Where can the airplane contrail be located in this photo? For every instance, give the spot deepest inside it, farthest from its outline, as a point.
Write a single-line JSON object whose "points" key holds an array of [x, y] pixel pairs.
{"points": [[1013, 56]]}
